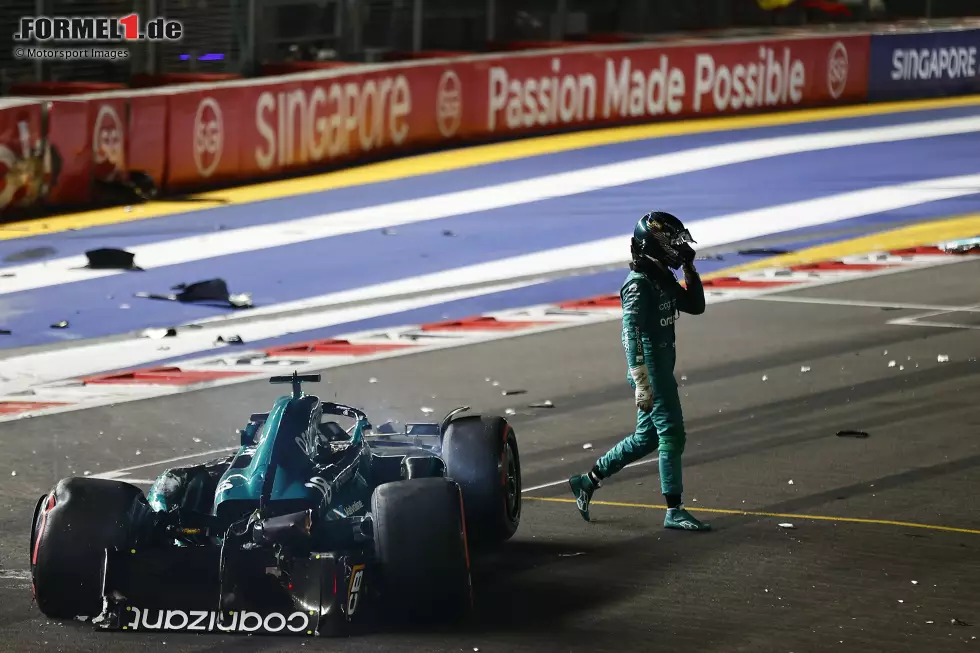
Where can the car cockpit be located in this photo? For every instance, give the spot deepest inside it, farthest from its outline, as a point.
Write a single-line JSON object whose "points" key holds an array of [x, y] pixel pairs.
{"points": [[334, 432]]}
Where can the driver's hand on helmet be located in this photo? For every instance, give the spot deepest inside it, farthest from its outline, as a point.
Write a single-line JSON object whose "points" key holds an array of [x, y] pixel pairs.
{"points": [[687, 254]]}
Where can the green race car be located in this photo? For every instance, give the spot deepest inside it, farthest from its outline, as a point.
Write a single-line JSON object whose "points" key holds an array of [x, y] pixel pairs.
{"points": [[306, 528]]}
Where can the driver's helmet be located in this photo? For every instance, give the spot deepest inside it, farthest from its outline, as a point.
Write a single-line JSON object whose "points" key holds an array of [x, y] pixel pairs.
{"points": [[333, 431], [660, 236]]}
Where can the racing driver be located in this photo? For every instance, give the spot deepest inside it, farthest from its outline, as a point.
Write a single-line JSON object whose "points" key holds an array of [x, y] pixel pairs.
{"points": [[651, 298]]}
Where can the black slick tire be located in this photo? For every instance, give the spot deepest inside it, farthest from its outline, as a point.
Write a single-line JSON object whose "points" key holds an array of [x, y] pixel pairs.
{"points": [[73, 526], [481, 455], [421, 548]]}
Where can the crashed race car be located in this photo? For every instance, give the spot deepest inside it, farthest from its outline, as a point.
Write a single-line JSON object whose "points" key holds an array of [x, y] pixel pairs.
{"points": [[305, 529]]}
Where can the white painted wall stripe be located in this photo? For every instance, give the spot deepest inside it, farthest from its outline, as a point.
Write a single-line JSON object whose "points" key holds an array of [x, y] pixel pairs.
{"points": [[248, 239]]}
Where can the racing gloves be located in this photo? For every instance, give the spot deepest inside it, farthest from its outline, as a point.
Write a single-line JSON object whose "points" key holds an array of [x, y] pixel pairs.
{"points": [[644, 391], [687, 254]]}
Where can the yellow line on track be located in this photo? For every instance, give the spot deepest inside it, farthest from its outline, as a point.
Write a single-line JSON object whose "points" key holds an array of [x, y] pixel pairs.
{"points": [[459, 159], [781, 515]]}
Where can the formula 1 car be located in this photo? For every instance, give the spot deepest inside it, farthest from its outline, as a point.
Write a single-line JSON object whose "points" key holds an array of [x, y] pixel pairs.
{"points": [[303, 530]]}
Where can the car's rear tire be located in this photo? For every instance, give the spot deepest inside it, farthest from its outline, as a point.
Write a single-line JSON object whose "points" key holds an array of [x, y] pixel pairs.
{"points": [[73, 526], [420, 544], [481, 455]]}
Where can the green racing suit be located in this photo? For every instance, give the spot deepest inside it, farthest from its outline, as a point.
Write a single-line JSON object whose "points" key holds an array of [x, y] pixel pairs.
{"points": [[652, 303]]}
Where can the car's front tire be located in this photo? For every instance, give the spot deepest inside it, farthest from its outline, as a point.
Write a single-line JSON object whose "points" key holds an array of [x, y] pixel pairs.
{"points": [[73, 526], [481, 455]]}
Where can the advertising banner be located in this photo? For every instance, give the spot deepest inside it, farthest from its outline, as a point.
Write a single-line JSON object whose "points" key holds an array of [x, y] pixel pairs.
{"points": [[927, 64], [644, 84], [204, 132], [29, 167], [191, 136], [146, 135], [108, 146], [285, 126], [70, 146], [288, 126]]}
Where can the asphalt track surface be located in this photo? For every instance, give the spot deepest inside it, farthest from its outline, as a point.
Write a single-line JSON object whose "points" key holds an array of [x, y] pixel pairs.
{"points": [[892, 579]]}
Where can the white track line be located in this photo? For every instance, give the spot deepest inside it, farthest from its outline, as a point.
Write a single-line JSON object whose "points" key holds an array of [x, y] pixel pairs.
{"points": [[236, 241], [645, 461], [941, 325], [942, 311]]}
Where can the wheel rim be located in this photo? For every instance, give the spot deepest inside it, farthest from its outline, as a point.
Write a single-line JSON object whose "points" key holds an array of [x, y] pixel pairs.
{"points": [[512, 483]]}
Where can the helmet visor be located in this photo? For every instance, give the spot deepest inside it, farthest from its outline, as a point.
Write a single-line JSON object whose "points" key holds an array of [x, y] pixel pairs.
{"points": [[682, 237]]}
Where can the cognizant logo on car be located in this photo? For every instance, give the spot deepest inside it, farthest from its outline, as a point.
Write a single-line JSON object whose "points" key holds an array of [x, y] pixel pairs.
{"points": [[206, 622]]}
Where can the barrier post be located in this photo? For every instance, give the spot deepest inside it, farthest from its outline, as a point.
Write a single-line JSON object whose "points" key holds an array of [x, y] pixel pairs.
{"points": [[559, 20], [151, 48], [340, 18], [39, 10], [491, 20], [250, 56], [355, 42], [418, 15]]}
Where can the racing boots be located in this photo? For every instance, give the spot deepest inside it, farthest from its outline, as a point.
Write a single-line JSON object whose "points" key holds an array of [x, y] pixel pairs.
{"points": [[583, 486], [681, 519]]}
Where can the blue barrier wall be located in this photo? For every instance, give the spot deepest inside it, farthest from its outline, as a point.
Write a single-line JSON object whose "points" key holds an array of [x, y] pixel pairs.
{"points": [[922, 65]]}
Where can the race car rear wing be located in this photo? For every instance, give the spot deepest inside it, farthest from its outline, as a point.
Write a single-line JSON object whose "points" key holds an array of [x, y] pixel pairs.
{"points": [[297, 381]]}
